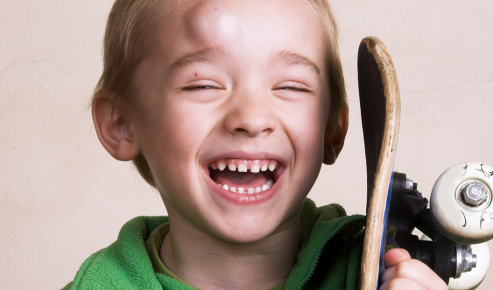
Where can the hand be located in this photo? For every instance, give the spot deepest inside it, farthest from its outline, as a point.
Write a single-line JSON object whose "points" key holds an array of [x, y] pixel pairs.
{"points": [[405, 273]]}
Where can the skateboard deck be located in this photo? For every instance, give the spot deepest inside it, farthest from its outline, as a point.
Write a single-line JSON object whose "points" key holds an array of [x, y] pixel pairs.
{"points": [[380, 115]]}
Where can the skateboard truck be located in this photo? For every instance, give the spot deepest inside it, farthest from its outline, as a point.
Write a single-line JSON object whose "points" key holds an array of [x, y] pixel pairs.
{"points": [[446, 247]]}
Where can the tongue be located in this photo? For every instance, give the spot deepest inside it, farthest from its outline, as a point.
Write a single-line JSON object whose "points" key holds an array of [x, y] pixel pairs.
{"points": [[240, 179]]}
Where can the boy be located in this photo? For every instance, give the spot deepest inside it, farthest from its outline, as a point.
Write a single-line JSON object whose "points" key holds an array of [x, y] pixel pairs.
{"points": [[228, 108]]}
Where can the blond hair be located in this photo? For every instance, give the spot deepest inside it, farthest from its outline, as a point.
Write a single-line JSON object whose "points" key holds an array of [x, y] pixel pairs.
{"points": [[126, 42]]}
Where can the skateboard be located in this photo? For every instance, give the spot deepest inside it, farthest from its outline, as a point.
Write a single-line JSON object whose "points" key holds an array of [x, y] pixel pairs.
{"points": [[380, 114], [460, 218]]}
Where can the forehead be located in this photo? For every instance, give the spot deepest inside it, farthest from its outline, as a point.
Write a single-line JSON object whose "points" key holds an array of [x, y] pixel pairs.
{"points": [[245, 27]]}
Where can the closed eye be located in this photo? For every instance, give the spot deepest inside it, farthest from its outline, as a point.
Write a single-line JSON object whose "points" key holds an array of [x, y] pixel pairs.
{"points": [[300, 89], [203, 87]]}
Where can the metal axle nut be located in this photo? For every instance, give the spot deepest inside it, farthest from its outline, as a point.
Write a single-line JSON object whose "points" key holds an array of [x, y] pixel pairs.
{"points": [[474, 193], [466, 260]]}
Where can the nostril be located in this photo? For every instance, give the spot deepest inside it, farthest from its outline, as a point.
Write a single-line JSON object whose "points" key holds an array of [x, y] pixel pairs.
{"points": [[240, 130], [253, 130]]}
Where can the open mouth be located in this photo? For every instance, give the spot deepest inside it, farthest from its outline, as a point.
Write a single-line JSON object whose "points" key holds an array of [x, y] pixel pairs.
{"points": [[244, 176]]}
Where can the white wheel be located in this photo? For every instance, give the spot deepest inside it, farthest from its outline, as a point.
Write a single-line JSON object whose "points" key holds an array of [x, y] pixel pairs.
{"points": [[461, 203], [472, 279]]}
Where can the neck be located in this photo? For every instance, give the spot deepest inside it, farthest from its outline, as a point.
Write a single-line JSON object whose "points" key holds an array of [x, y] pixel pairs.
{"points": [[206, 262]]}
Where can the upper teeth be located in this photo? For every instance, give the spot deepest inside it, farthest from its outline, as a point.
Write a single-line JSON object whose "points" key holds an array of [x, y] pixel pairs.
{"points": [[221, 165], [254, 166], [241, 168]]}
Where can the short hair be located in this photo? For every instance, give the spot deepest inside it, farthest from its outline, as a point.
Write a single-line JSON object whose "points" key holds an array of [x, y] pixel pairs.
{"points": [[126, 43]]}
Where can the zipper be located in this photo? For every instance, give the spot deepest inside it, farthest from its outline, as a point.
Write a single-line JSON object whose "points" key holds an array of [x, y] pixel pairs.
{"points": [[322, 246]]}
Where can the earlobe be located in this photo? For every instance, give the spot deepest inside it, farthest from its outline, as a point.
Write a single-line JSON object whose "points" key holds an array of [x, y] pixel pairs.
{"points": [[113, 131], [334, 143]]}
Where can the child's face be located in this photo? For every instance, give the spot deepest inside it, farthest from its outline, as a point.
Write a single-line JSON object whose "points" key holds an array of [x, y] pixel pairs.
{"points": [[241, 83]]}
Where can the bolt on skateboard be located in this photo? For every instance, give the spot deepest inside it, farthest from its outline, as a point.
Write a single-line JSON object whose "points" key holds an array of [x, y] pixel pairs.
{"points": [[460, 218]]}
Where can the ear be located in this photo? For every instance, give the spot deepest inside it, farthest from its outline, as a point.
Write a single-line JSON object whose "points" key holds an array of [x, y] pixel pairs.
{"points": [[113, 131], [333, 145]]}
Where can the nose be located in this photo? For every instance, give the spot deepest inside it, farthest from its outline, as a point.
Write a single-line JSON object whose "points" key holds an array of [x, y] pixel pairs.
{"points": [[251, 114]]}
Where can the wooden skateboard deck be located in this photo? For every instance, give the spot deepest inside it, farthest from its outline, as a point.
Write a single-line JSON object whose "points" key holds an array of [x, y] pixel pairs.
{"points": [[380, 114]]}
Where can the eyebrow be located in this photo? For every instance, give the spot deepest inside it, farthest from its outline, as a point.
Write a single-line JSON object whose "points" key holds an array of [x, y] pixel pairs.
{"points": [[202, 56], [291, 58], [205, 55]]}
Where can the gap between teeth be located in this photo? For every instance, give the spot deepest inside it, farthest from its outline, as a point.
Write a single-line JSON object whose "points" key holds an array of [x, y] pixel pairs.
{"points": [[248, 190]]}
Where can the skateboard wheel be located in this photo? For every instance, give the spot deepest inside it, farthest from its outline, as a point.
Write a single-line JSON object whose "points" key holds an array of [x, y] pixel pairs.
{"points": [[472, 279], [461, 203]]}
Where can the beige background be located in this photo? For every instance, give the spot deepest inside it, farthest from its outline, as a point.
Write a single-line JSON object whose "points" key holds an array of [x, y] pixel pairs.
{"points": [[63, 197]]}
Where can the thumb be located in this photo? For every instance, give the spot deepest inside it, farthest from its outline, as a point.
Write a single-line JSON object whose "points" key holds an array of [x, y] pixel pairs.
{"points": [[394, 256]]}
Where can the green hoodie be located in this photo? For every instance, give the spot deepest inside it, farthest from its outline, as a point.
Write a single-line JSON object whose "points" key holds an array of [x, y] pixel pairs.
{"points": [[328, 258]]}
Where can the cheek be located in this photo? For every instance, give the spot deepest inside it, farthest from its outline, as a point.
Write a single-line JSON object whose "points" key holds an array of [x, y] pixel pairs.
{"points": [[310, 147], [313, 135], [170, 136], [306, 129]]}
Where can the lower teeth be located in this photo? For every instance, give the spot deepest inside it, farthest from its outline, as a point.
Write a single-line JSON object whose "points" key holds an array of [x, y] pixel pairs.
{"points": [[249, 190]]}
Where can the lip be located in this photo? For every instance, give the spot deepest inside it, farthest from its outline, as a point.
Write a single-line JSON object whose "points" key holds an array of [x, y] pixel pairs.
{"points": [[245, 155], [246, 199]]}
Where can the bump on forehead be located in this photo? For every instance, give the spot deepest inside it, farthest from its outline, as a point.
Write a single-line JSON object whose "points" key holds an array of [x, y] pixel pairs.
{"points": [[206, 18], [198, 17], [195, 21], [207, 22]]}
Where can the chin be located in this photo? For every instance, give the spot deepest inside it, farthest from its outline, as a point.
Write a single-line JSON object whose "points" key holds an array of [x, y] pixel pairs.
{"points": [[246, 237], [247, 230]]}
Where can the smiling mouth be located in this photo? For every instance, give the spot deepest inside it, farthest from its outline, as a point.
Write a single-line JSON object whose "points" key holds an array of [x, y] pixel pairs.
{"points": [[244, 176]]}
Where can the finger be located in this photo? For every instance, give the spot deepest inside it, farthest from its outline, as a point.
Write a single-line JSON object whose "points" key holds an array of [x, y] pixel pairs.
{"points": [[416, 271], [394, 256], [401, 284]]}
